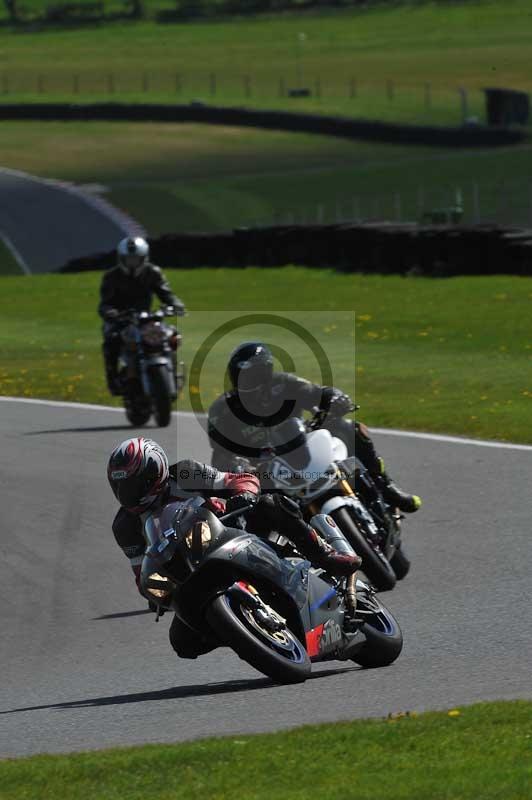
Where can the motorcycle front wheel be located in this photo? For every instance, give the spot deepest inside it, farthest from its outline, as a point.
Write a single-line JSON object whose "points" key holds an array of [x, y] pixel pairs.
{"points": [[383, 637], [138, 410], [162, 395], [279, 655]]}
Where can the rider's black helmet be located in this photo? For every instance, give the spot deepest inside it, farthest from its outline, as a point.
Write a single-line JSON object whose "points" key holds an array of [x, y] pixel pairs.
{"points": [[250, 367]]}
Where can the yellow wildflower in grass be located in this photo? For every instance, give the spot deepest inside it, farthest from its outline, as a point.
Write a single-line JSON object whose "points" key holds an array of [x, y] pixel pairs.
{"points": [[372, 335], [454, 712], [363, 317]]}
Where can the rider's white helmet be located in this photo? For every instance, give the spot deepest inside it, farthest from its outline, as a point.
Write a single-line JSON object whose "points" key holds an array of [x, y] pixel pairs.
{"points": [[132, 255]]}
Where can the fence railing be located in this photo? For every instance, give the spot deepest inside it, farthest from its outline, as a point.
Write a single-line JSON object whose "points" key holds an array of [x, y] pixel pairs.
{"points": [[386, 99], [470, 204]]}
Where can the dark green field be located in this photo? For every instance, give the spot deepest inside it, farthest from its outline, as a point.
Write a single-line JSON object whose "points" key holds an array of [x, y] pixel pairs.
{"points": [[199, 178], [481, 751], [209, 178]]}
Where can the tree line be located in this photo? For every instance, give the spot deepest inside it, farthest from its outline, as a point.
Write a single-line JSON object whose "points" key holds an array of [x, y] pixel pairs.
{"points": [[72, 11]]}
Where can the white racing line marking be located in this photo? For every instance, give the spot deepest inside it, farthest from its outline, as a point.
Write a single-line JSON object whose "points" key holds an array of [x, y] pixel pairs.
{"points": [[433, 437], [15, 253]]}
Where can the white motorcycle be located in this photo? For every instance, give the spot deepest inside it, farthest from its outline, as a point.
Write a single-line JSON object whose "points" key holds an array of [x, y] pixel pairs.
{"points": [[309, 464]]}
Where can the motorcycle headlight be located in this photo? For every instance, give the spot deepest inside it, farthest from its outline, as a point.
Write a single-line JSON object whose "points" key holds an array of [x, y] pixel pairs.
{"points": [[198, 537], [158, 586], [153, 334]]}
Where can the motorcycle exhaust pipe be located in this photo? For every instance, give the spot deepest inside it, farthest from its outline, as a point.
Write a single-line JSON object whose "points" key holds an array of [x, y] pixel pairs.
{"points": [[329, 530]]}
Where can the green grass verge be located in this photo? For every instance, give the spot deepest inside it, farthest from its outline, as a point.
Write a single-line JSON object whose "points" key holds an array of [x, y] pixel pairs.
{"points": [[449, 355], [444, 45], [463, 754], [198, 177]]}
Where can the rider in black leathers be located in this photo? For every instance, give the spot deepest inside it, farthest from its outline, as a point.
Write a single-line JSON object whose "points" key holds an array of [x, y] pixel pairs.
{"points": [[142, 481], [240, 420], [129, 285]]}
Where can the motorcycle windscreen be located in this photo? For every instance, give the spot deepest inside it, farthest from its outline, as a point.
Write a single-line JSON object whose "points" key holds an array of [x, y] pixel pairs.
{"points": [[289, 440]]}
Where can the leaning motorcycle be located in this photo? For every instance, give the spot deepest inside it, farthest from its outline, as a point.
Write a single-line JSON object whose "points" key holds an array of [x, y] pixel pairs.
{"points": [[148, 369], [310, 465], [278, 614]]}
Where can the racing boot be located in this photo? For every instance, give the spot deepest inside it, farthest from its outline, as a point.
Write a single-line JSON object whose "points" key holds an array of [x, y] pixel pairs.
{"points": [[287, 519], [323, 555], [409, 503]]}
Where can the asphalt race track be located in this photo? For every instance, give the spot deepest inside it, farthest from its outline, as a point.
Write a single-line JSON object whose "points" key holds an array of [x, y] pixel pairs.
{"points": [[48, 223], [84, 666]]}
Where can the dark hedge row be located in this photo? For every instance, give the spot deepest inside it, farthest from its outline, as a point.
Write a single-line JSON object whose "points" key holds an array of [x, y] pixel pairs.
{"points": [[383, 248], [470, 136]]}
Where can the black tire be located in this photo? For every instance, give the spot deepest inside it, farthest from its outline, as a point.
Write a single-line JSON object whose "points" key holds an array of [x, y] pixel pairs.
{"points": [[375, 565], [162, 395], [384, 639], [400, 563], [137, 411], [283, 664]]}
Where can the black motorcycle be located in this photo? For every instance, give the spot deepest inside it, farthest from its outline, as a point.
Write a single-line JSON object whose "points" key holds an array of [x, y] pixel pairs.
{"points": [[278, 614], [149, 373]]}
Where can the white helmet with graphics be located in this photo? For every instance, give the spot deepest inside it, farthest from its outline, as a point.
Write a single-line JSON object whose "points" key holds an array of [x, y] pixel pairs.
{"points": [[138, 473], [132, 255]]}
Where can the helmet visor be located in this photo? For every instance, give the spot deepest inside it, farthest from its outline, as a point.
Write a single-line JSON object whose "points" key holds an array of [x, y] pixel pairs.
{"points": [[254, 377], [133, 491]]}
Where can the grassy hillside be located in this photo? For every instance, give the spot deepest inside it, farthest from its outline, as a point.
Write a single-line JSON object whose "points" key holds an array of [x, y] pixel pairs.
{"points": [[193, 177], [347, 59], [463, 754], [449, 355]]}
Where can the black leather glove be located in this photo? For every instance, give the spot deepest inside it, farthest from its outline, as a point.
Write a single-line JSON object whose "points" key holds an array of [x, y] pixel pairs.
{"points": [[239, 501], [340, 404], [111, 313]]}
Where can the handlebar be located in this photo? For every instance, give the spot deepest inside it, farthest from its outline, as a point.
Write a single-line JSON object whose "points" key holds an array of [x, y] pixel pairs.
{"points": [[237, 513], [134, 315]]}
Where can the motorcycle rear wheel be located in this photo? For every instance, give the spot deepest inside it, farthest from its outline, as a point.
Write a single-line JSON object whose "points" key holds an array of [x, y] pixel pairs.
{"points": [[284, 661], [400, 563], [374, 565]]}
